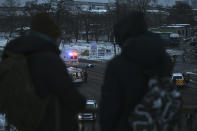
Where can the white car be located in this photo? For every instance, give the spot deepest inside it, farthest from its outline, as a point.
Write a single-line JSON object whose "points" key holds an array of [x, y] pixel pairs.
{"points": [[178, 79], [91, 105], [90, 112], [86, 116]]}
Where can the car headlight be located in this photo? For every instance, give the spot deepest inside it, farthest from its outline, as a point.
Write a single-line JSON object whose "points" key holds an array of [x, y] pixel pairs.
{"points": [[79, 117], [74, 74], [79, 74]]}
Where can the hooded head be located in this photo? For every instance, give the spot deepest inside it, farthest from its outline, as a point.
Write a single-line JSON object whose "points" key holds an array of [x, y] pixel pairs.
{"points": [[43, 23], [148, 52], [142, 47], [130, 25]]}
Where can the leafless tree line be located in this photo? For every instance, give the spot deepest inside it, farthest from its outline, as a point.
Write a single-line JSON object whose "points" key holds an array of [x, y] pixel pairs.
{"points": [[79, 24]]}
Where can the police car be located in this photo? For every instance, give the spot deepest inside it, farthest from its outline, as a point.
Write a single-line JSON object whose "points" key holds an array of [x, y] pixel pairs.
{"points": [[178, 79], [90, 112], [76, 74], [70, 57]]}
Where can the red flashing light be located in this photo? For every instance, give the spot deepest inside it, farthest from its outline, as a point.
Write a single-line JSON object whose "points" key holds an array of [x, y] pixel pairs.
{"points": [[75, 54]]}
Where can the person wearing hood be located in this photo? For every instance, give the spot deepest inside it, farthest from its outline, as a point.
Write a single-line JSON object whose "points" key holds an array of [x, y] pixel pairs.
{"points": [[48, 72], [125, 83]]}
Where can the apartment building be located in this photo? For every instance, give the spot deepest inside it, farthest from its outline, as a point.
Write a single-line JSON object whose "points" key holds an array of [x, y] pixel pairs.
{"points": [[170, 3]]}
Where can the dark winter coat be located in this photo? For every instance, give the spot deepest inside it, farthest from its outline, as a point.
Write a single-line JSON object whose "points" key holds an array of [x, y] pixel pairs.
{"points": [[126, 79], [50, 76]]}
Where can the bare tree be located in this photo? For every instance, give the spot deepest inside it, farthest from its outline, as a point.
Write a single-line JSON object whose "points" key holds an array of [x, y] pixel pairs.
{"points": [[122, 7], [76, 25], [110, 19], [181, 13], [139, 5], [87, 26], [11, 15], [142, 5]]}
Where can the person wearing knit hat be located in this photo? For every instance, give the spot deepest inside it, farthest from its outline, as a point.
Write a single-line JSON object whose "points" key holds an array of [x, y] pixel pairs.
{"points": [[43, 23], [48, 72]]}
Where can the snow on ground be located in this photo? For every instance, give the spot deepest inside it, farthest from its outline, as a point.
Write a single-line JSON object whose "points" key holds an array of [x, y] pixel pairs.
{"points": [[97, 51], [107, 48], [2, 45], [3, 42], [174, 52]]}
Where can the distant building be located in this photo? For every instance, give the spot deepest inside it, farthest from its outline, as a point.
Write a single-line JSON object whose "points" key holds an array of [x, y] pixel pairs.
{"points": [[164, 3], [97, 1], [170, 3], [88, 5]]}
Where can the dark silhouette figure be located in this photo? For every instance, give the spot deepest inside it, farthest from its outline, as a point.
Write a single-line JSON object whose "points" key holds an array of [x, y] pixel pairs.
{"points": [[125, 83], [48, 72]]}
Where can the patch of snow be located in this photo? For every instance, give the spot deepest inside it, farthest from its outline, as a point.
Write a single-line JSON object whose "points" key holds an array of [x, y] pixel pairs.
{"points": [[172, 52], [99, 1], [174, 35], [3, 43], [23, 28], [182, 24], [82, 46], [157, 11], [103, 51], [98, 11], [175, 26]]}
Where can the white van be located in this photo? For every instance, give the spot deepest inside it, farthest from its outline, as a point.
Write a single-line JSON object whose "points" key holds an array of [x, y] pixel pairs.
{"points": [[178, 79], [76, 74]]}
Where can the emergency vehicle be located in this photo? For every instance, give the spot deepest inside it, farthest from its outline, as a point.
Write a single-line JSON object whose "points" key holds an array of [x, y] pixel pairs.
{"points": [[70, 57], [76, 74], [178, 79]]}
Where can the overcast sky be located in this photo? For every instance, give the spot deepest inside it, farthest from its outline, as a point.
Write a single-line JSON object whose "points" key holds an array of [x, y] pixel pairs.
{"points": [[104, 1], [22, 2], [160, 2]]}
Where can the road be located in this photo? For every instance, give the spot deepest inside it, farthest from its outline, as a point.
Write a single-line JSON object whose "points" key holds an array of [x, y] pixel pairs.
{"points": [[91, 89]]}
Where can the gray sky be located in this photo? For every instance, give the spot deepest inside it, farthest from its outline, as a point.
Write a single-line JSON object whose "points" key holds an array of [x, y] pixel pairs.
{"points": [[160, 2], [103, 1], [22, 2]]}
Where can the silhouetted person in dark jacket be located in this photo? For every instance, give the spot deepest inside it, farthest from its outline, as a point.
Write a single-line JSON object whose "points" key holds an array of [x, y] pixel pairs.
{"points": [[126, 76], [48, 72]]}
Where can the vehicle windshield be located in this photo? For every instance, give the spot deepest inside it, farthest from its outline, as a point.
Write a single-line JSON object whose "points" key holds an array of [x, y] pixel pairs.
{"points": [[177, 77]]}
